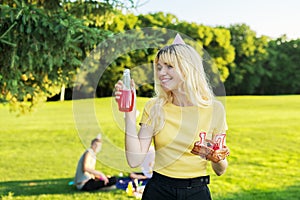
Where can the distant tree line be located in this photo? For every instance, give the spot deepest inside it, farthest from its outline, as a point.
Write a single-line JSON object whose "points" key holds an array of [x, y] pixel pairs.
{"points": [[43, 44]]}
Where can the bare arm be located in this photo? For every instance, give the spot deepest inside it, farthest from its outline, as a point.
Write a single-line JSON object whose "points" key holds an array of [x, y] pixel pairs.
{"points": [[220, 167], [136, 145], [93, 171], [218, 161]]}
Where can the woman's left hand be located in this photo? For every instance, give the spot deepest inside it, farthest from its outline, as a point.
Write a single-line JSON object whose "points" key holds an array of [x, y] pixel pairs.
{"points": [[218, 155]]}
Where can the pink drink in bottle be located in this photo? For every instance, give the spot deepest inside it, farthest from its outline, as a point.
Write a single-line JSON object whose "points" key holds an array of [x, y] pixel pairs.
{"points": [[126, 100]]}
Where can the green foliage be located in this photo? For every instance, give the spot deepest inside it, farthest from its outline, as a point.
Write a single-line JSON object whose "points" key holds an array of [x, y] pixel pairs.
{"points": [[283, 68], [102, 17], [247, 70], [105, 65], [40, 153], [43, 51], [216, 41], [213, 41]]}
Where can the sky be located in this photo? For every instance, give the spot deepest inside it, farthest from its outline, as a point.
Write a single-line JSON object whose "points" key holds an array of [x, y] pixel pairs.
{"points": [[272, 18]]}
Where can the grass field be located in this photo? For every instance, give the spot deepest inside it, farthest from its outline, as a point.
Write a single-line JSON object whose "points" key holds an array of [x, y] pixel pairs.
{"points": [[39, 151]]}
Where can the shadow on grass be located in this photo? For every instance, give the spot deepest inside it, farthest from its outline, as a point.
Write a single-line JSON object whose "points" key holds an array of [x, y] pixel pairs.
{"points": [[60, 186], [37, 187], [287, 193]]}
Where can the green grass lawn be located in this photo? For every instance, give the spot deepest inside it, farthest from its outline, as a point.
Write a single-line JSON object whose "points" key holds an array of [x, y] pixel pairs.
{"points": [[39, 151]]}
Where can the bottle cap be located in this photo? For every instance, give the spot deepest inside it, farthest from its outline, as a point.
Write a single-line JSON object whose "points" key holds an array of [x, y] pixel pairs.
{"points": [[126, 71], [126, 79]]}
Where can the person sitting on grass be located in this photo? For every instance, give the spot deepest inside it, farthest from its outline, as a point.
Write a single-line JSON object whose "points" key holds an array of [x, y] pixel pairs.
{"points": [[87, 178]]}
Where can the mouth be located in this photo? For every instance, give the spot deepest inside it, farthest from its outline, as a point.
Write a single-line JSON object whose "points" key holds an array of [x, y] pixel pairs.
{"points": [[165, 80]]}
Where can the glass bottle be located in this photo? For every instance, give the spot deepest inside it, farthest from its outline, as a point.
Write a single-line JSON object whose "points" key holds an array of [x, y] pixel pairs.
{"points": [[126, 100]]}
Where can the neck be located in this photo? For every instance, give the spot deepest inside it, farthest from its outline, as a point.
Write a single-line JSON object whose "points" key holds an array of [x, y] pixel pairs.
{"points": [[93, 149], [180, 99]]}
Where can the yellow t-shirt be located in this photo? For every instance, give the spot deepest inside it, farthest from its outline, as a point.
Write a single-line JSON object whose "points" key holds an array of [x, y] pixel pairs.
{"points": [[174, 142]]}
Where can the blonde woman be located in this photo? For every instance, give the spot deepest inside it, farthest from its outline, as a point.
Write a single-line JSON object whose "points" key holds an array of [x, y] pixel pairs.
{"points": [[183, 107]]}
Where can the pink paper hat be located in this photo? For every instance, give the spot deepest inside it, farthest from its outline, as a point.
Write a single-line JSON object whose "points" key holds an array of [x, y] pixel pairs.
{"points": [[99, 136], [178, 39]]}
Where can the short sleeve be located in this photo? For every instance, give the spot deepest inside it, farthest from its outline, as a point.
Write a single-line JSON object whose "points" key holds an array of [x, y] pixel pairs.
{"points": [[219, 119], [146, 114]]}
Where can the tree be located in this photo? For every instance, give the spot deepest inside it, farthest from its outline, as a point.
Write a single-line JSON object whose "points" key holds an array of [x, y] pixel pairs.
{"points": [[41, 52], [247, 70], [215, 41], [103, 16], [283, 67]]}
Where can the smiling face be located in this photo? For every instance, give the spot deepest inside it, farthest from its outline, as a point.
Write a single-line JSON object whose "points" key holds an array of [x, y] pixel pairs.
{"points": [[168, 77], [179, 76]]}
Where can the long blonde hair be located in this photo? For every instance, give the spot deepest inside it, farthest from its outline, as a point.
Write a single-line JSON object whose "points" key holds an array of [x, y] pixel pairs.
{"points": [[188, 63]]}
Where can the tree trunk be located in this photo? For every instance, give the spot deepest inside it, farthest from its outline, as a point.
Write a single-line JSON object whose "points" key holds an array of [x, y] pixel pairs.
{"points": [[62, 92]]}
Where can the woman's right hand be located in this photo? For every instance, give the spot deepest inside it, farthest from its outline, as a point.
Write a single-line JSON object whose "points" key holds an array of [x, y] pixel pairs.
{"points": [[118, 87]]}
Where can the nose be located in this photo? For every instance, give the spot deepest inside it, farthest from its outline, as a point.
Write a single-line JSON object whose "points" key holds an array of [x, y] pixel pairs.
{"points": [[162, 71]]}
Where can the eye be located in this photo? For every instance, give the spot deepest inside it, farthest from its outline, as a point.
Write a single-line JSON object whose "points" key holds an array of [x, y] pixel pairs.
{"points": [[159, 67], [170, 67]]}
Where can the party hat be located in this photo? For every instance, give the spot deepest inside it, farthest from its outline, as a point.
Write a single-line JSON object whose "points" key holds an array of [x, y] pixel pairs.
{"points": [[178, 39]]}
